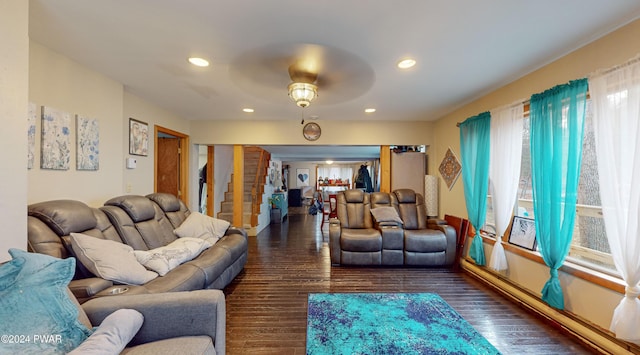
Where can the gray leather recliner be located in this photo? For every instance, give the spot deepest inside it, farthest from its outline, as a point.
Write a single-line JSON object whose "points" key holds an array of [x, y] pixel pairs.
{"points": [[352, 237], [424, 243]]}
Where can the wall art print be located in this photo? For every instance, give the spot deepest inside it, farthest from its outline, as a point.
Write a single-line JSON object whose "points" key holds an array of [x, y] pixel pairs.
{"points": [[138, 137], [56, 142], [450, 168], [87, 143], [302, 177], [31, 134]]}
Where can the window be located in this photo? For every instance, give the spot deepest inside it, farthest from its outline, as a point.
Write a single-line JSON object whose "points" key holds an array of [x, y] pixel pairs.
{"points": [[589, 245], [489, 227], [333, 178], [335, 172]]}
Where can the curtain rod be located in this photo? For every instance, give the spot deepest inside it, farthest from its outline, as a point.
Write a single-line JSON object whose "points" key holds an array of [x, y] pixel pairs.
{"points": [[598, 72], [525, 103], [614, 68]]}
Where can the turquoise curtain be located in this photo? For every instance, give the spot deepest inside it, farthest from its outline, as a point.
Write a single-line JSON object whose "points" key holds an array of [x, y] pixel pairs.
{"points": [[474, 147], [557, 125]]}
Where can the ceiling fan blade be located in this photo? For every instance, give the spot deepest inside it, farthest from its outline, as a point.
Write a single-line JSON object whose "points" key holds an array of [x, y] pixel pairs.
{"points": [[266, 72], [308, 63]]}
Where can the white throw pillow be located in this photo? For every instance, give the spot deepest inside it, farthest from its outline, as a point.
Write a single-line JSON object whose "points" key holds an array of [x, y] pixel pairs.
{"points": [[166, 258], [110, 260], [113, 334], [198, 225]]}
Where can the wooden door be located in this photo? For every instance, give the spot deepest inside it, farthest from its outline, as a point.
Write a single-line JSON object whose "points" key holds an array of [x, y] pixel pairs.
{"points": [[168, 172]]}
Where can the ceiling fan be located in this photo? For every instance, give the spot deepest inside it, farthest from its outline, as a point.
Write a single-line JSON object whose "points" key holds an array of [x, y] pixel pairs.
{"points": [[270, 72], [304, 76]]}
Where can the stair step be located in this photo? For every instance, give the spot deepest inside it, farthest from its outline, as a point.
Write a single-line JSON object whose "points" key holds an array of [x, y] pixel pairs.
{"points": [[227, 206], [247, 186], [228, 196], [255, 164], [246, 217]]}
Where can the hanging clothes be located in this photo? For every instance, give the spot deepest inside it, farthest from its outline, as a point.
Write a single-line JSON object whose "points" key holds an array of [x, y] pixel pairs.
{"points": [[202, 184], [363, 180]]}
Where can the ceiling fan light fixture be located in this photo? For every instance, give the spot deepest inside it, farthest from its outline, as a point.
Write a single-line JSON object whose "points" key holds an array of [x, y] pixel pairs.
{"points": [[303, 93]]}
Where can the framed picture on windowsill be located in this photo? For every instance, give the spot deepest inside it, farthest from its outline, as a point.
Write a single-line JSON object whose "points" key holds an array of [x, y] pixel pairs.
{"points": [[523, 233], [138, 137]]}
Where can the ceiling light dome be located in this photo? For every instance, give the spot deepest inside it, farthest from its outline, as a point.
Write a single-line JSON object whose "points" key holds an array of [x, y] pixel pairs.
{"points": [[303, 93], [406, 63], [199, 62]]}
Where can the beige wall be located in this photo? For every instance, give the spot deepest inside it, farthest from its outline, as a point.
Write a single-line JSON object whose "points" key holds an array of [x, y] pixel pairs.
{"points": [[14, 97], [333, 133], [58, 82], [139, 181], [613, 49]]}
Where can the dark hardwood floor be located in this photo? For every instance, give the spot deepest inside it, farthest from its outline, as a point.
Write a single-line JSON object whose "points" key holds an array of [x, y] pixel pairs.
{"points": [[267, 303]]}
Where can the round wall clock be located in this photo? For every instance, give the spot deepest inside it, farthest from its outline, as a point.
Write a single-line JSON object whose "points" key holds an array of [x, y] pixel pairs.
{"points": [[311, 131]]}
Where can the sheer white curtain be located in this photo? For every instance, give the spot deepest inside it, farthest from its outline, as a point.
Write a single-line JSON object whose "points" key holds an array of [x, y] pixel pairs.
{"points": [[504, 173], [335, 172], [616, 102]]}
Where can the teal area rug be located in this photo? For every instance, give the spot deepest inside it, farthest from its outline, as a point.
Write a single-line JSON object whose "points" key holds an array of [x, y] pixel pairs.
{"points": [[389, 323]]}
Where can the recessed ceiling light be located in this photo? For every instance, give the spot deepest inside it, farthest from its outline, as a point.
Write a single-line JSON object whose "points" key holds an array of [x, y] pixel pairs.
{"points": [[329, 162], [248, 110], [406, 63], [369, 110], [199, 62]]}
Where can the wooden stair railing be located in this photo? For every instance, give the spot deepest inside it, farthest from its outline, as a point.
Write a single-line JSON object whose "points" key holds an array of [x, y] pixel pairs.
{"points": [[257, 186]]}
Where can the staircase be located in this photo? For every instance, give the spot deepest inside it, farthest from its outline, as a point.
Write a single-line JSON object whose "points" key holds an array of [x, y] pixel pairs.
{"points": [[256, 167]]}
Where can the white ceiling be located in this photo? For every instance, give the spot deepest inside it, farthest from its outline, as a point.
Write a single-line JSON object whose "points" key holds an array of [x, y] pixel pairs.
{"points": [[464, 50]]}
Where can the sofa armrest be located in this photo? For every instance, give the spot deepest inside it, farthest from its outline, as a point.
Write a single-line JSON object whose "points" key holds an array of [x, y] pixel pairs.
{"points": [[436, 221], [83, 289], [169, 315], [452, 241], [236, 230], [379, 225]]}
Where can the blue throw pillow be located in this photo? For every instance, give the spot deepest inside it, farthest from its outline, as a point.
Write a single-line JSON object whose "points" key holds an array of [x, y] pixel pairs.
{"points": [[37, 313]]}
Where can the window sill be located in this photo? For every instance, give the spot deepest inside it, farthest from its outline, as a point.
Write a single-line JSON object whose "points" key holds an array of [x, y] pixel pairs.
{"points": [[595, 277]]}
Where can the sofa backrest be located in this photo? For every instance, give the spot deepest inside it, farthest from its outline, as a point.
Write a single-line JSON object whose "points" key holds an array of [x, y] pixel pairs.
{"points": [[140, 222], [411, 209], [383, 199], [354, 209], [175, 210], [50, 223]]}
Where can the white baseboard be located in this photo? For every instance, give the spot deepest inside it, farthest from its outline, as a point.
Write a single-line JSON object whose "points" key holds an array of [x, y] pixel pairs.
{"points": [[592, 336]]}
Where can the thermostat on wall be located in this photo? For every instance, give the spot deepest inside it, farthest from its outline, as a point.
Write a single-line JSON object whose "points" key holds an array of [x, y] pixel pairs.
{"points": [[131, 163]]}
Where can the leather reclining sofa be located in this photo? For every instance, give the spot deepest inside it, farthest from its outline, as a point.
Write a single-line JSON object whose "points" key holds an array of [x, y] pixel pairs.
{"points": [[142, 222], [409, 238]]}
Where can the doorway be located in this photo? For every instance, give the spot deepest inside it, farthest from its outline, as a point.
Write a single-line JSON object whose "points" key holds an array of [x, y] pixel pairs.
{"points": [[171, 163]]}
